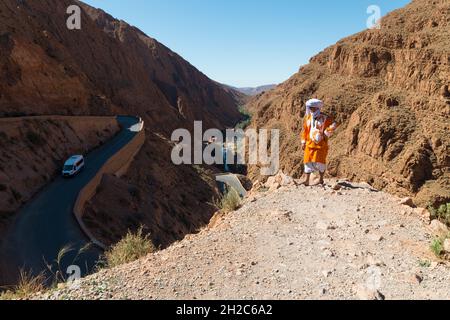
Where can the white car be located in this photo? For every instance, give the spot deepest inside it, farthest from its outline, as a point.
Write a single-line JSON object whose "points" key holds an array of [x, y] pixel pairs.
{"points": [[73, 166]]}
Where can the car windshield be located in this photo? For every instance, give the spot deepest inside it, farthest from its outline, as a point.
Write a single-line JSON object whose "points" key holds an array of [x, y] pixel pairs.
{"points": [[68, 168]]}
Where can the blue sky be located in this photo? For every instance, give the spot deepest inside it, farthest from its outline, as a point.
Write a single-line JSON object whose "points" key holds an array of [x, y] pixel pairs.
{"points": [[246, 42]]}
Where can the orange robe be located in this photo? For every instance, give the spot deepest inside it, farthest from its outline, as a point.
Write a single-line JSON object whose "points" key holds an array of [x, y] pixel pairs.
{"points": [[323, 127]]}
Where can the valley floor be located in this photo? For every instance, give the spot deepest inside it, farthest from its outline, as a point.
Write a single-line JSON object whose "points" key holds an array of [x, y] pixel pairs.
{"points": [[294, 243]]}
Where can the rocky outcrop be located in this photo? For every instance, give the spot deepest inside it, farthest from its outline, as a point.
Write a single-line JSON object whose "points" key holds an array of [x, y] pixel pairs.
{"points": [[107, 67], [388, 90]]}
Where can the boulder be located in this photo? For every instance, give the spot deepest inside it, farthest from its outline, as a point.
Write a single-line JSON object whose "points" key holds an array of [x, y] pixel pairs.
{"points": [[438, 227], [285, 180], [366, 294], [447, 245], [424, 214], [270, 182], [279, 180], [274, 186]]}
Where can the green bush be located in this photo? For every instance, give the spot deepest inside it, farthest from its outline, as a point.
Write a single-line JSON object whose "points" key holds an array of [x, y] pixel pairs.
{"points": [[425, 263], [437, 246], [442, 213], [132, 247]]}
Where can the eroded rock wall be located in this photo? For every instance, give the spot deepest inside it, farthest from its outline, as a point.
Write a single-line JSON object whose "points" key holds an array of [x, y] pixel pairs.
{"points": [[388, 89]]}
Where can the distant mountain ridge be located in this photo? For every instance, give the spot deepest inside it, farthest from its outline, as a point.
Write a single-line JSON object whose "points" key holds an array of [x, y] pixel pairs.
{"points": [[244, 95], [254, 91]]}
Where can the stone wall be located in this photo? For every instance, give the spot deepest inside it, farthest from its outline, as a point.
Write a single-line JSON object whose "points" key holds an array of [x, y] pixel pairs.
{"points": [[116, 165]]}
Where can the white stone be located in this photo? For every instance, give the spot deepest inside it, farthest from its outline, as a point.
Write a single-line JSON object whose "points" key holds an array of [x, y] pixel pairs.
{"points": [[447, 245], [270, 182], [286, 180], [375, 237], [438, 227], [364, 293], [327, 273], [321, 225]]}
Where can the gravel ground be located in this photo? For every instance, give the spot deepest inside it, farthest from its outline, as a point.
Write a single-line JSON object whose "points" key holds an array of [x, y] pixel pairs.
{"points": [[294, 243]]}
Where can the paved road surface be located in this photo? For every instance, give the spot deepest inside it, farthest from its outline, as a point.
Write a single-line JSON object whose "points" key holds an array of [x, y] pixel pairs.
{"points": [[46, 224]]}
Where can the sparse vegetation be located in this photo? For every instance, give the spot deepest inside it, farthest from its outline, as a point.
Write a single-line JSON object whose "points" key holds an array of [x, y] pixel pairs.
{"points": [[442, 213], [27, 286], [30, 285], [246, 118], [437, 246], [425, 263], [129, 249], [57, 269], [231, 201]]}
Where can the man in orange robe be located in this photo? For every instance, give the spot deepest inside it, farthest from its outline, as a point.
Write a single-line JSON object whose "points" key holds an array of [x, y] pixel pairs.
{"points": [[317, 129]]}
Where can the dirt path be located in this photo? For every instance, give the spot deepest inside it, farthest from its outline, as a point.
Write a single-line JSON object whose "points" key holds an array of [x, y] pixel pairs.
{"points": [[295, 243]]}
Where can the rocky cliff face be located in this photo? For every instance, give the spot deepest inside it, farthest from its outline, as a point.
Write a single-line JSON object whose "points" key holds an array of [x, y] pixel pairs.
{"points": [[108, 68], [389, 90]]}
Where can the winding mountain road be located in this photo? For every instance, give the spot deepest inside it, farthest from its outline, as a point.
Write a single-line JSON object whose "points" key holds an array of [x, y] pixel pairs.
{"points": [[47, 224]]}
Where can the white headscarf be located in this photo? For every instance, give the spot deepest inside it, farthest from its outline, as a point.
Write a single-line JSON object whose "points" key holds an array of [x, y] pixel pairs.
{"points": [[314, 103], [315, 132]]}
